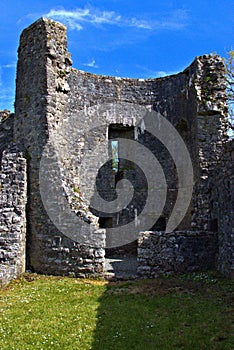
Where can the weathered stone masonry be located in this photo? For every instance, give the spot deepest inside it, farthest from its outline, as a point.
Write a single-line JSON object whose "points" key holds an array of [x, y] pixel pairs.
{"points": [[222, 208], [12, 214], [76, 112]]}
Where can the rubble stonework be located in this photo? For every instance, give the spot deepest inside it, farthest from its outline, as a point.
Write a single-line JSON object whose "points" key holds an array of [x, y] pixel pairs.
{"points": [[180, 252], [222, 203], [13, 197], [75, 113]]}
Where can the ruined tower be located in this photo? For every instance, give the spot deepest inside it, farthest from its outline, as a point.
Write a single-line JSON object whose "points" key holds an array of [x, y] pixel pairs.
{"points": [[69, 125]]}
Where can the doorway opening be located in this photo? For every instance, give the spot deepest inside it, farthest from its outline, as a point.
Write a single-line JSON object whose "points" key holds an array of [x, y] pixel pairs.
{"points": [[121, 261]]}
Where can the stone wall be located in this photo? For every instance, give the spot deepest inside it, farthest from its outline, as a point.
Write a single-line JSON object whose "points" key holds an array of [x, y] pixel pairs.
{"points": [[73, 111], [13, 196], [41, 94], [6, 129], [222, 202], [184, 251], [96, 104], [177, 252], [211, 132], [64, 121]]}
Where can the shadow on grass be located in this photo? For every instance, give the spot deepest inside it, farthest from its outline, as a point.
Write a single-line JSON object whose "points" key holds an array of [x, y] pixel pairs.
{"points": [[161, 315]]}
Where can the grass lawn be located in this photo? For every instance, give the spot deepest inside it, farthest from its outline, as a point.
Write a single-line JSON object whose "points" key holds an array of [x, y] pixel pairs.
{"points": [[187, 312]]}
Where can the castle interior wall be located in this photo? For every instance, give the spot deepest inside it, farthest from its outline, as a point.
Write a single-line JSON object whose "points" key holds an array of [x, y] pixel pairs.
{"points": [[70, 124]]}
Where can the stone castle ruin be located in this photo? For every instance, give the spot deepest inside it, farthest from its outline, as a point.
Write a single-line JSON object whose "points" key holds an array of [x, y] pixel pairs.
{"points": [[61, 167]]}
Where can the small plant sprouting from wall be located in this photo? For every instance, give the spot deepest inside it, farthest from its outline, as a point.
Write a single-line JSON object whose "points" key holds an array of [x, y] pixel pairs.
{"points": [[62, 73], [77, 190], [27, 155]]}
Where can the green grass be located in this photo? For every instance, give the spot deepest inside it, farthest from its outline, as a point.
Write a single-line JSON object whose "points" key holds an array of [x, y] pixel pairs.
{"points": [[188, 312]]}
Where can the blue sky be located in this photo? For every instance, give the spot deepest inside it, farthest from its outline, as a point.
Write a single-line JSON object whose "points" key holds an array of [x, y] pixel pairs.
{"points": [[127, 38]]}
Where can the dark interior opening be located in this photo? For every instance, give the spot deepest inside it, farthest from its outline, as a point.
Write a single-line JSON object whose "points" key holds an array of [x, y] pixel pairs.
{"points": [[214, 225], [121, 131], [121, 168], [129, 249], [105, 222], [160, 224], [115, 132]]}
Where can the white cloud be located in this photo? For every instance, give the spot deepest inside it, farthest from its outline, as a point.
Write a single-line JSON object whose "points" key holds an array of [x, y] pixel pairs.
{"points": [[74, 18], [77, 18], [149, 73], [10, 65], [91, 64], [176, 20], [162, 74]]}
